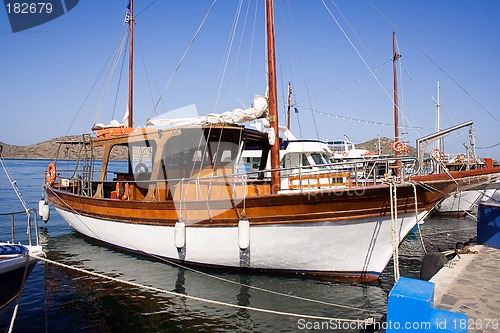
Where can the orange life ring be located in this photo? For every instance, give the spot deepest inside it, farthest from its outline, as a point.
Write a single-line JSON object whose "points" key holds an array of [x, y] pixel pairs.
{"points": [[122, 190], [51, 174], [399, 147], [438, 154], [345, 153]]}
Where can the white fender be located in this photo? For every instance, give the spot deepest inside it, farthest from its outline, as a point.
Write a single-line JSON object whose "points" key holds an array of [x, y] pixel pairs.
{"points": [[45, 212], [243, 233], [180, 234], [40, 206]]}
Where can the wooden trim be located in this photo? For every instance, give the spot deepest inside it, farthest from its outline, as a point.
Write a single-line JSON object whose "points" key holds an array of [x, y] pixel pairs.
{"points": [[304, 180]]}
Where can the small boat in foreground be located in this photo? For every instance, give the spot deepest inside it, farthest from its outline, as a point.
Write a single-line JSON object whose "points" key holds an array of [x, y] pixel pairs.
{"points": [[17, 260], [16, 264]]}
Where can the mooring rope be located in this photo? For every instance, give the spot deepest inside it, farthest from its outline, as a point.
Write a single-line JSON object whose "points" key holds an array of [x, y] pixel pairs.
{"points": [[416, 217], [21, 289], [173, 263], [204, 300], [394, 227]]}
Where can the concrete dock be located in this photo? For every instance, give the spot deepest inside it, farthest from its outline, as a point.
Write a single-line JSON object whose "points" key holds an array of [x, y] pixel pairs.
{"points": [[470, 284]]}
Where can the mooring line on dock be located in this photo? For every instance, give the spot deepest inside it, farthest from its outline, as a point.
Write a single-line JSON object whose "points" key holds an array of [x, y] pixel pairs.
{"points": [[420, 236], [205, 300]]}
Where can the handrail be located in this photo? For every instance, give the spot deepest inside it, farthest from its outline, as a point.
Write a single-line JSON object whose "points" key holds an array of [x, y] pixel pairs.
{"points": [[29, 226]]}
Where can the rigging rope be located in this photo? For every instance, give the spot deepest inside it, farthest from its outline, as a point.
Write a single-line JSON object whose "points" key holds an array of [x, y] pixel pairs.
{"points": [[363, 60], [394, 227], [228, 54], [436, 64], [239, 46], [488, 147], [145, 68], [346, 84], [118, 85], [95, 82], [110, 77], [356, 49], [145, 8], [182, 58], [13, 183], [356, 119], [303, 74], [416, 217], [291, 80]]}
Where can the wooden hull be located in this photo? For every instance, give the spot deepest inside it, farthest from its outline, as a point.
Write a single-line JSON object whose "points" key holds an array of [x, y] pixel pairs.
{"points": [[336, 232], [355, 249]]}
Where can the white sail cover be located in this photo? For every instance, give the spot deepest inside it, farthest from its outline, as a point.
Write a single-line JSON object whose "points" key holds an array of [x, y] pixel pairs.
{"points": [[112, 124], [237, 116]]}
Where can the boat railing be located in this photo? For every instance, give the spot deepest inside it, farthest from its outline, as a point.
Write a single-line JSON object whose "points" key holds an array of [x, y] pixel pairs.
{"points": [[360, 172], [305, 178], [212, 184], [31, 230]]}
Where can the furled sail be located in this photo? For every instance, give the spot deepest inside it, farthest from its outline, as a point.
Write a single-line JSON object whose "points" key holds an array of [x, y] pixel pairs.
{"points": [[236, 116]]}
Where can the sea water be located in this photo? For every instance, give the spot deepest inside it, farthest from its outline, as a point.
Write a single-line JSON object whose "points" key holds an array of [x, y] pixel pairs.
{"points": [[58, 299]]}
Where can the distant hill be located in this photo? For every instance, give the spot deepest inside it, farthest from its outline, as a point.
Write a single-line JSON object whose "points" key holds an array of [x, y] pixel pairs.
{"points": [[42, 150], [386, 146], [48, 149]]}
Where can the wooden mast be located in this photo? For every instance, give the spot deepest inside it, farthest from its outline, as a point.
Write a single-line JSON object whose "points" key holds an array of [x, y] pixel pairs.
{"points": [[395, 57], [273, 101], [131, 66], [288, 106]]}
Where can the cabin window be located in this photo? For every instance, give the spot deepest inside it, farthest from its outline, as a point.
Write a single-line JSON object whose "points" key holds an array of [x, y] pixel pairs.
{"points": [[319, 160], [226, 156], [305, 161], [118, 161], [223, 153], [141, 158], [249, 164], [197, 156], [187, 155]]}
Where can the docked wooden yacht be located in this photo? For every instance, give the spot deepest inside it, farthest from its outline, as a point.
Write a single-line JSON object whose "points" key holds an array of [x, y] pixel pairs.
{"points": [[184, 195]]}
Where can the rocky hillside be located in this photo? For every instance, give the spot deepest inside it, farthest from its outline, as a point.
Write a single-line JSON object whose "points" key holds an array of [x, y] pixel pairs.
{"points": [[48, 149], [386, 146], [44, 150]]}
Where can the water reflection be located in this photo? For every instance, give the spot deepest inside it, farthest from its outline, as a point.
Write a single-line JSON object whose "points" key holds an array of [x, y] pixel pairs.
{"points": [[102, 304]]}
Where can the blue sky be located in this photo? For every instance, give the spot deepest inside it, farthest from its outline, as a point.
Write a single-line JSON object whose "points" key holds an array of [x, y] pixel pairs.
{"points": [[48, 71]]}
